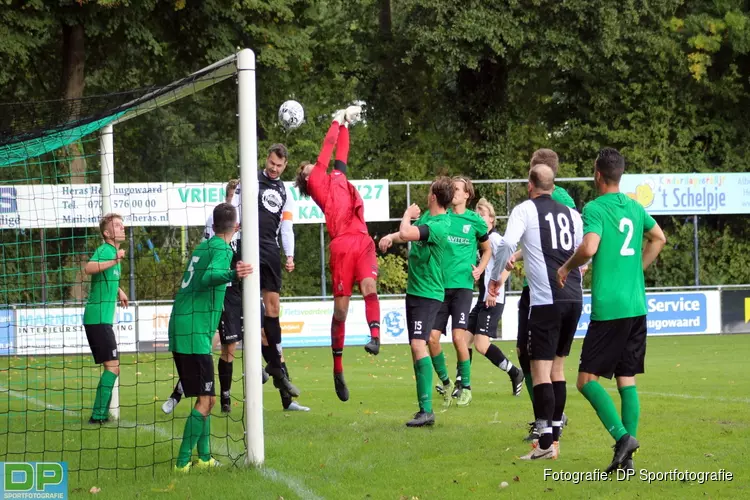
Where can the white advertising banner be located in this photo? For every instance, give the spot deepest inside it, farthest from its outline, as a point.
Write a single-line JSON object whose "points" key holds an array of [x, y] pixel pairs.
{"points": [[151, 204], [669, 313], [60, 331]]}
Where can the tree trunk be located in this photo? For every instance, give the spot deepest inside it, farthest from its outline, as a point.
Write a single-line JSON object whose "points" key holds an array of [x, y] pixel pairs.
{"points": [[386, 22], [72, 85]]}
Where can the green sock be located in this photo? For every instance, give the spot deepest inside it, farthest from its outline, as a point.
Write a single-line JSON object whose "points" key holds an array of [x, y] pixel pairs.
{"points": [[423, 371], [464, 368], [440, 368], [103, 395], [631, 409], [605, 408], [190, 436], [529, 387], [204, 443]]}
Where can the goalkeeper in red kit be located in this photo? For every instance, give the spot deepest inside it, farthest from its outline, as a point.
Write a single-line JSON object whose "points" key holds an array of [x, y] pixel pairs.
{"points": [[352, 249]]}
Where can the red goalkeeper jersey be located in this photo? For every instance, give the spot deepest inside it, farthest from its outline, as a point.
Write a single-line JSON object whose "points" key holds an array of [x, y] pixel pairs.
{"points": [[340, 201]]}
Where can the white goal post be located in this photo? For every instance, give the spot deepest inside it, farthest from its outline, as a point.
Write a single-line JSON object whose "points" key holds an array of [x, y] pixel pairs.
{"points": [[241, 65]]}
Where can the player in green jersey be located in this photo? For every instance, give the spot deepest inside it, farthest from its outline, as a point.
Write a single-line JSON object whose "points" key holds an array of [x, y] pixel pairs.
{"points": [[460, 270], [425, 290], [614, 227], [104, 268], [539, 157], [195, 316]]}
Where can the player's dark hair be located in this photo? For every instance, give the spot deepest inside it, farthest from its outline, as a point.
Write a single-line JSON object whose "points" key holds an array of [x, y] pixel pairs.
{"points": [[538, 178], [225, 218], [546, 157], [300, 181], [280, 151], [468, 186], [610, 164], [442, 188]]}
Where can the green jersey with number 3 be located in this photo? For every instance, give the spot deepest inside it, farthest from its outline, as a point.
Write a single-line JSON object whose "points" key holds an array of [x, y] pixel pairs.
{"points": [[465, 231], [618, 289], [197, 306], [426, 258]]}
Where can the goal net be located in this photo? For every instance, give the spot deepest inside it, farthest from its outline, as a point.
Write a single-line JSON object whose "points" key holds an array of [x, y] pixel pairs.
{"points": [[154, 157]]}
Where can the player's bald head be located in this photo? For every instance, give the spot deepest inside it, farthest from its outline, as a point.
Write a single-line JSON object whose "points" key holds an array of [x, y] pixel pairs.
{"points": [[542, 178]]}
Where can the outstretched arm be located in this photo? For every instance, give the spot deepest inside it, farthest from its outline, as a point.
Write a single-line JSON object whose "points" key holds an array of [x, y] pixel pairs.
{"points": [[342, 149], [324, 157]]}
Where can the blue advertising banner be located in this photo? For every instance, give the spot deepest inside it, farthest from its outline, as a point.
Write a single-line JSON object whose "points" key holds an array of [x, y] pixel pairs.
{"points": [[7, 332], [670, 313], [689, 194]]}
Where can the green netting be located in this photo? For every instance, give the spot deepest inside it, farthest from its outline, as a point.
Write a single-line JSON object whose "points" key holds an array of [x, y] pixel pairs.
{"points": [[32, 148]]}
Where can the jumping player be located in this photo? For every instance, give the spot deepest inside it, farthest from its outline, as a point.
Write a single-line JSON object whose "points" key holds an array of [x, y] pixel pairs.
{"points": [[614, 228], [352, 249], [104, 267], [195, 316], [425, 290], [487, 312], [275, 218]]}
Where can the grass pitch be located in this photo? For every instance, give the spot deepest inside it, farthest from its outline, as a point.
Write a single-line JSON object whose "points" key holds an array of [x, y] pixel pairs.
{"points": [[695, 399]]}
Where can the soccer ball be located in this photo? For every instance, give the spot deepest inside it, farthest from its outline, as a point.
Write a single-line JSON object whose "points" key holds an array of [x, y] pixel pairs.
{"points": [[291, 115]]}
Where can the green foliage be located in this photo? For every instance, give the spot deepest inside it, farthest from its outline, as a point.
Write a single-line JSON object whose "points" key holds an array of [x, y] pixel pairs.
{"points": [[451, 87], [392, 274]]}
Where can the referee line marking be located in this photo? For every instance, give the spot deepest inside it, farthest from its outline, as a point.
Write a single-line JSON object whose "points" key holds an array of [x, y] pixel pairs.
{"points": [[293, 484], [221, 447]]}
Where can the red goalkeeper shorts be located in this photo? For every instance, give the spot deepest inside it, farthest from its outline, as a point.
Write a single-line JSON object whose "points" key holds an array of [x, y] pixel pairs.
{"points": [[352, 260]]}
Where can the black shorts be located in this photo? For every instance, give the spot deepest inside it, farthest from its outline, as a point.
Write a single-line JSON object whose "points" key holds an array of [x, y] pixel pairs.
{"points": [[102, 342], [615, 347], [420, 316], [270, 269], [457, 306], [483, 320], [551, 329], [196, 372], [522, 340], [230, 325]]}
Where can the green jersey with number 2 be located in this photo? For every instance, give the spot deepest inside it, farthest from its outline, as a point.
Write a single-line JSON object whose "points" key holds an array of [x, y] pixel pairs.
{"points": [[618, 289], [200, 299]]}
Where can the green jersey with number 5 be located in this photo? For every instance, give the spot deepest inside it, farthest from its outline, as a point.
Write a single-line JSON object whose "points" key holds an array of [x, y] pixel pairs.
{"points": [[618, 290], [197, 306]]}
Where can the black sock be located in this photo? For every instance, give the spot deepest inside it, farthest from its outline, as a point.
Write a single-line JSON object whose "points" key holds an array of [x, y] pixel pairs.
{"points": [[177, 392], [471, 354], [286, 399], [495, 355], [525, 364], [561, 395], [273, 358], [544, 408], [225, 376]]}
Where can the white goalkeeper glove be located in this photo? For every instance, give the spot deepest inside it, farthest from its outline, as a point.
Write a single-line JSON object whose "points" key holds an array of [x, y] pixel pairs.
{"points": [[353, 114], [339, 116]]}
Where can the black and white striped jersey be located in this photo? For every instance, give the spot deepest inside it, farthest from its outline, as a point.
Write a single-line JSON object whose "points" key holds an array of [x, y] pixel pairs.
{"points": [[484, 280], [549, 233]]}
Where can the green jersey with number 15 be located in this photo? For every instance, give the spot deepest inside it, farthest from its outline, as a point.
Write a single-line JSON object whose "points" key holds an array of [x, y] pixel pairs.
{"points": [[618, 289], [200, 299]]}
